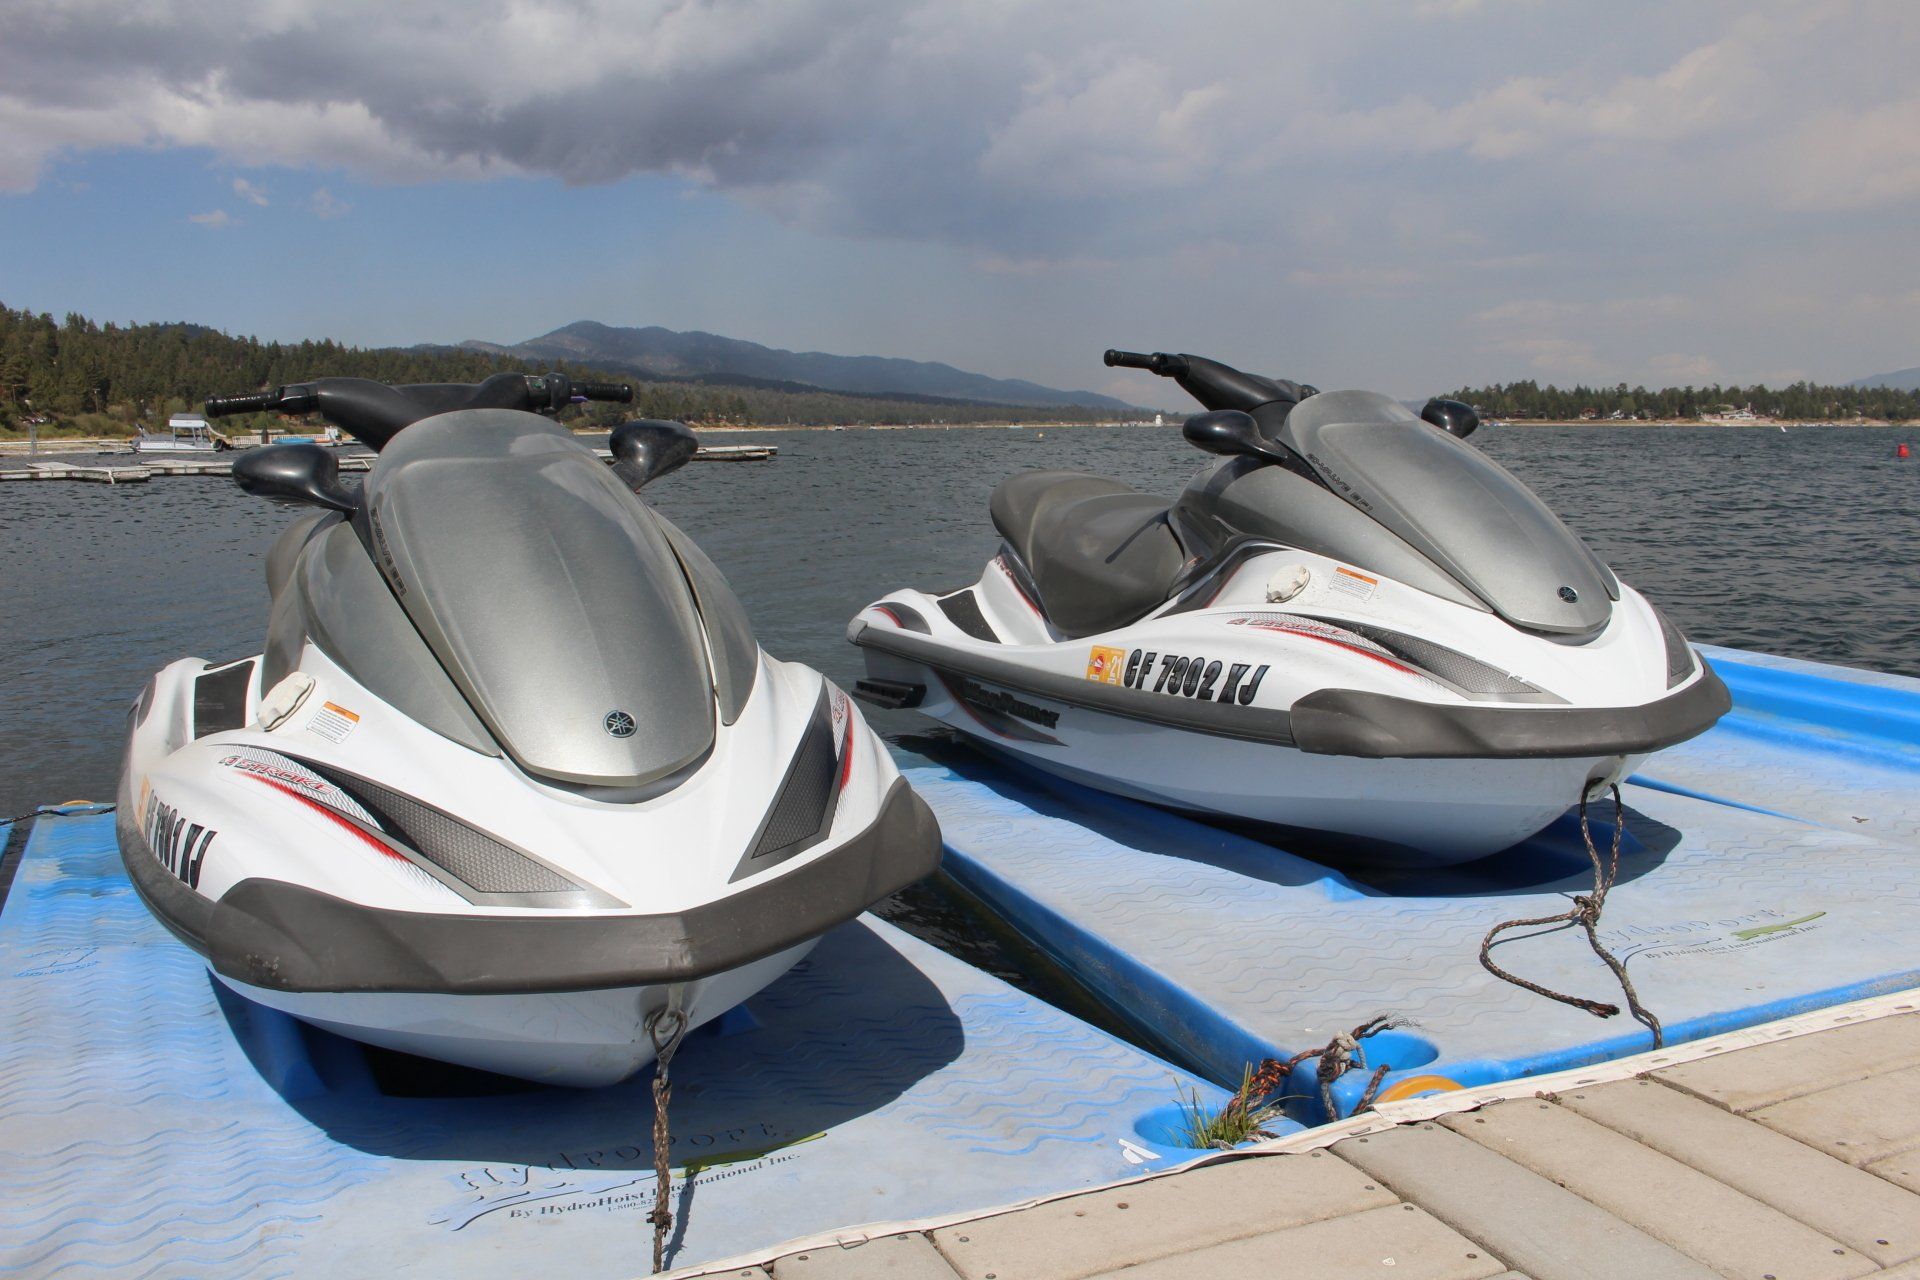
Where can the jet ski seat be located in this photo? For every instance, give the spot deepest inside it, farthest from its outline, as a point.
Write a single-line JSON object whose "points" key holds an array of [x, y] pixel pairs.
{"points": [[1099, 553]]}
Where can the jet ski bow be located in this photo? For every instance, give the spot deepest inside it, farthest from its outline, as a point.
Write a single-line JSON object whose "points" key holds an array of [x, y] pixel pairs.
{"points": [[511, 778]]}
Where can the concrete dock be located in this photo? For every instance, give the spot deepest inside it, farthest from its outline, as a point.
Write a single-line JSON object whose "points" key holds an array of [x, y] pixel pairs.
{"points": [[1785, 1152]]}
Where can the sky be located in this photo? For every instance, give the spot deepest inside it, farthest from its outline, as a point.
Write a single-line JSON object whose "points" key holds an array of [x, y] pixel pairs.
{"points": [[1408, 196]]}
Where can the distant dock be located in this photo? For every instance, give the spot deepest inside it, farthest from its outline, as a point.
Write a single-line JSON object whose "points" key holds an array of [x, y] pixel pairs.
{"points": [[115, 472]]}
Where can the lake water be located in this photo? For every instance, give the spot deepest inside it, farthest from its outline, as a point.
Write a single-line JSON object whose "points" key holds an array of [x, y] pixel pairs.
{"points": [[1801, 542]]}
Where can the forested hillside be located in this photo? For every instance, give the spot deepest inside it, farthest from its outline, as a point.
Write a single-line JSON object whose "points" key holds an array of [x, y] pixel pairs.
{"points": [[1801, 402], [100, 379]]}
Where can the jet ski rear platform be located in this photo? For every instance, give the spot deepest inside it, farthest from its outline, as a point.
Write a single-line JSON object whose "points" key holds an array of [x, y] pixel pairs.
{"points": [[152, 1123], [1768, 868]]}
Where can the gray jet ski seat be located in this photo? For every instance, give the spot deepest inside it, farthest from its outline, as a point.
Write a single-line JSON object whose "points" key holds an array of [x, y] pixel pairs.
{"points": [[1099, 554]]}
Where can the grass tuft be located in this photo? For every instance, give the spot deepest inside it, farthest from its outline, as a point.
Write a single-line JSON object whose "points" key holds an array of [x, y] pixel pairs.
{"points": [[1244, 1117]]}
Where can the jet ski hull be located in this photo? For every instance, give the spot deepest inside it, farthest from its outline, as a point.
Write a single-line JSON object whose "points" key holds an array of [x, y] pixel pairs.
{"points": [[1425, 812], [584, 1039], [240, 842], [1317, 720]]}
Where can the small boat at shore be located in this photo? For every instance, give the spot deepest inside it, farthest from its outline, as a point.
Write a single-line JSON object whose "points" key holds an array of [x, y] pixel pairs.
{"points": [[185, 433], [330, 438]]}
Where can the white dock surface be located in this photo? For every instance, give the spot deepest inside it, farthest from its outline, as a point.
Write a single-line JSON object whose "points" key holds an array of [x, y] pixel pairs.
{"points": [[1776, 1154]]}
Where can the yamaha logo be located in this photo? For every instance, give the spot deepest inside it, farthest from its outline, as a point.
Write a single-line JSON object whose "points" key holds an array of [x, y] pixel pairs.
{"points": [[1570, 595], [619, 724]]}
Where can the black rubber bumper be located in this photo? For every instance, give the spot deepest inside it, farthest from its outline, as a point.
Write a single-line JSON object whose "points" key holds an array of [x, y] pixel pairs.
{"points": [[1346, 722], [285, 937], [1342, 722]]}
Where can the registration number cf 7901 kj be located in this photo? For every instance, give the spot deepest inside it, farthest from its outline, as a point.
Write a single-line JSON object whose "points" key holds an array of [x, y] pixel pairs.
{"points": [[1207, 679]]}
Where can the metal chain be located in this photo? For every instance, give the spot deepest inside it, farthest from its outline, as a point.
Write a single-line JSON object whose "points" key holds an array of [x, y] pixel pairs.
{"points": [[1585, 912], [661, 1215]]}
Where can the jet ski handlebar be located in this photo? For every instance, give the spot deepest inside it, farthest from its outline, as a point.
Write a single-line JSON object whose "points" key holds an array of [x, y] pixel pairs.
{"points": [[1215, 385], [375, 412], [1160, 362]]}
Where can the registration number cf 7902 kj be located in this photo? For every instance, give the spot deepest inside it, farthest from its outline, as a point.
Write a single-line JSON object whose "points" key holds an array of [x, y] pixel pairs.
{"points": [[1206, 679]]}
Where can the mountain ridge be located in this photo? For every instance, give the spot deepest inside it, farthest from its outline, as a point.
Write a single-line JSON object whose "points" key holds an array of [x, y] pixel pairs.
{"points": [[1898, 380], [670, 353]]}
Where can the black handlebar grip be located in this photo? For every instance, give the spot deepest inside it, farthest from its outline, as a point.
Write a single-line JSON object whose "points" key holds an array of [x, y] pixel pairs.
{"points": [[253, 402], [1129, 360], [619, 392]]}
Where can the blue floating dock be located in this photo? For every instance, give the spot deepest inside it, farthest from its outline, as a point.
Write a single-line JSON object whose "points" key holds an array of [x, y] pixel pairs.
{"points": [[1769, 867], [152, 1124]]}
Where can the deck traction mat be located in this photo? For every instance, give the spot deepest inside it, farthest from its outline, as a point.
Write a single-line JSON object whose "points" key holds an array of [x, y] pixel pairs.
{"points": [[1771, 866], [154, 1125]]}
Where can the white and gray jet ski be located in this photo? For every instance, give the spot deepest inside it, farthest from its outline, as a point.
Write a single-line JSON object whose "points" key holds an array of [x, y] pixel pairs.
{"points": [[1353, 626], [512, 785]]}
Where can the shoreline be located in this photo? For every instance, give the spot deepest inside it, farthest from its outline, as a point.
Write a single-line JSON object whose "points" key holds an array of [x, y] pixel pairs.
{"points": [[16, 446]]}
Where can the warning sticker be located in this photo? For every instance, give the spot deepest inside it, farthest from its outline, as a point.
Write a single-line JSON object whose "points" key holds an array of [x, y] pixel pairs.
{"points": [[332, 722], [1104, 665], [1351, 582]]}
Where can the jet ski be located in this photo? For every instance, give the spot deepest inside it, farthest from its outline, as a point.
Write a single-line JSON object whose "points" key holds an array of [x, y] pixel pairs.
{"points": [[1351, 628], [511, 785]]}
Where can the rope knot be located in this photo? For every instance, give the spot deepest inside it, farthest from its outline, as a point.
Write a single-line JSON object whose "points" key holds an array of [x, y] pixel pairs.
{"points": [[1585, 912]]}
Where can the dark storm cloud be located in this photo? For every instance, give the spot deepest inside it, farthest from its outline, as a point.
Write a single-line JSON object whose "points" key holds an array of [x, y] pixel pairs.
{"points": [[1587, 162]]}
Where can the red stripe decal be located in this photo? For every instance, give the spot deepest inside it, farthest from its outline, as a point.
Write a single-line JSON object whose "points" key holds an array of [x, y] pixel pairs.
{"points": [[846, 752], [338, 819], [1353, 648], [1018, 590], [880, 608]]}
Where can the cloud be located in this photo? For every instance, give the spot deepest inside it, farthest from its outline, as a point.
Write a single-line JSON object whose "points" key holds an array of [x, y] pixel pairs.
{"points": [[1675, 368], [1016, 128], [324, 204], [1552, 186], [249, 192], [214, 219]]}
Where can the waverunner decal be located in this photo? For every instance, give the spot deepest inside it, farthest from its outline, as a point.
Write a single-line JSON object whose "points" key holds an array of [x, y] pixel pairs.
{"points": [[181, 846], [999, 710], [1200, 678]]}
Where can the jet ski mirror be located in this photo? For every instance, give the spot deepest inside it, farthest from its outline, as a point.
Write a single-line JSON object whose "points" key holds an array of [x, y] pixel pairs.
{"points": [[646, 449], [1231, 433], [300, 474], [1452, 416]]}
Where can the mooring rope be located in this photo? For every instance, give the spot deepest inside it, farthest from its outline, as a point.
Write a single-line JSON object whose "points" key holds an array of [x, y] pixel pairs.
{"points": [[1585, 912], [661, 1215], [1337, 1056]]}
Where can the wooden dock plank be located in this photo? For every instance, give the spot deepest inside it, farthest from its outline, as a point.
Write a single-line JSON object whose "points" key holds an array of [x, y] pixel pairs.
{"points": [[1859, 1122], [907, 1256], [1849, 1204], [1703, 1218], [1542, 1229], [1085, 1235], [1762, 1075], [1411, 1242]]}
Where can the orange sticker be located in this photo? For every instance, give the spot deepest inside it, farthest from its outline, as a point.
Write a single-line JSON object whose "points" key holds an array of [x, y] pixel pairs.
{"points": [[1353, 583], [339, 710], [1105, 665]]}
